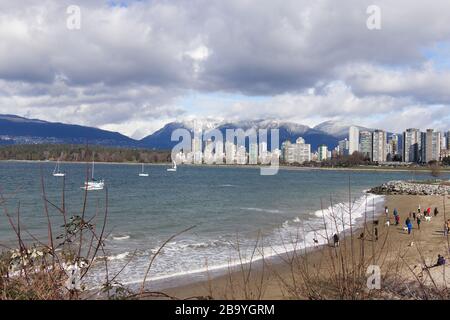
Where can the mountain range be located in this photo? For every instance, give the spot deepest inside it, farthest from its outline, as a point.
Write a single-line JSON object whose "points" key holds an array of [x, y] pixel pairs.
{"points": [[19, 130]]}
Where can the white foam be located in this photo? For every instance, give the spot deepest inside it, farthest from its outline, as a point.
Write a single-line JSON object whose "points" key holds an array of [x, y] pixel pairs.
{"points": [[120, 238], [286, 237], [262, 210]]}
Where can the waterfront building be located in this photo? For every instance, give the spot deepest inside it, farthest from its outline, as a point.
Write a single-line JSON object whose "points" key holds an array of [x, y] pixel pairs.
{"points": [[365, 144], [253, 153], [379, 142], [432, 145], [412, 145], [322, 152], [353, 140]]}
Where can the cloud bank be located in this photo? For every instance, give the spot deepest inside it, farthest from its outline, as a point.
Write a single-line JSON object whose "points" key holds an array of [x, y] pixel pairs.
{"points": [[134, 65]]}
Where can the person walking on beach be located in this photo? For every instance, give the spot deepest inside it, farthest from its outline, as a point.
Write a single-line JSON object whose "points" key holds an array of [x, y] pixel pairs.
{"points": [[446, 227], [397, 220], [428, 211], [408, 225], [418, 209], [414, 215], [336, 240], [436, 211], [386, 211], [418, 222], [395, 212], [376, 234]]}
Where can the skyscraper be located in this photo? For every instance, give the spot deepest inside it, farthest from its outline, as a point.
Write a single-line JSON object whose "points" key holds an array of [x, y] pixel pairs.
{"points": [[241, 155], [353, 139], [379, 151], [448, 140], [230, 152], [343, 147], [253, 153], [323, 152], [412, 145], [432, 145], [365, 144]]}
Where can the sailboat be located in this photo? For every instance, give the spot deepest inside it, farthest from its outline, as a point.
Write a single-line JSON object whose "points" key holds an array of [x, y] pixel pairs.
{"points": [[143, 174], [57, 172], [174, 167], [93, 184]]}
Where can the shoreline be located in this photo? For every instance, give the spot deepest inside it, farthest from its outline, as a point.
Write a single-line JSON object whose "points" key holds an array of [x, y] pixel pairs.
{"points": [[396, 242], [195, 277], [444, 170]]}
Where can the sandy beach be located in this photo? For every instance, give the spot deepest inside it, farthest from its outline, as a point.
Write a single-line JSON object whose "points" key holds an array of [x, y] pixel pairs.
{"points": [[316, 274]]}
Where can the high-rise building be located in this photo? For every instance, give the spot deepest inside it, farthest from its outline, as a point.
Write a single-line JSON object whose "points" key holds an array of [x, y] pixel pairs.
{"points": [[353, 140], [323, 152], [285, 150], [253, 153], [365, 144], [412, 145], [432, 145], [230, 152], [218, 154], [392, 147], [241, 155], [197, 149], [343, 147], [379, 153], [208, 154], [393, 141], [263, 153], [448, 140], [298, 152], [302, 151]]}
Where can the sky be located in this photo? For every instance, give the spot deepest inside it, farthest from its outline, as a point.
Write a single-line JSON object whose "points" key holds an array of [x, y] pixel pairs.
{"points": [[133, 66]]}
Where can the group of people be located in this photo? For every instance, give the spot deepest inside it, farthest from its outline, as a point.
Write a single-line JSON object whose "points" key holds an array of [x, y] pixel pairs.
{"points": [[417, 217]]}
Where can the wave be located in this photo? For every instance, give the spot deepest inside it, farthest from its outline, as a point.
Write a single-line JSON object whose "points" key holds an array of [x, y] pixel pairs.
{"points": [[119, 256], [262, 210], [121, 237], [314, 229]]}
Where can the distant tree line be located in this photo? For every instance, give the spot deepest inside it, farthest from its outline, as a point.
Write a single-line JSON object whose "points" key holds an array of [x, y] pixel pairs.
{"points": [[446, 161], [356, 159], [81, 153]]}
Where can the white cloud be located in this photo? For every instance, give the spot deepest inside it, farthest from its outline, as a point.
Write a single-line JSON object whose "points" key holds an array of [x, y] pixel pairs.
{"points": [[129, 66]]}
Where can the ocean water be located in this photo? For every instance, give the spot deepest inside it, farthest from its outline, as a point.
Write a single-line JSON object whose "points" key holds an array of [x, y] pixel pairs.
{"points": [[227, 206]]}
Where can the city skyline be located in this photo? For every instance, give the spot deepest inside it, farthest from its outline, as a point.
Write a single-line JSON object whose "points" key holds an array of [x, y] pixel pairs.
{"points": [[376, 146]]}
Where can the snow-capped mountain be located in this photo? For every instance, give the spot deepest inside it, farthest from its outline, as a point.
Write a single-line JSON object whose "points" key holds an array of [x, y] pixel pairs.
{"points": [[287, 131], [337, 129], [20, 130]]}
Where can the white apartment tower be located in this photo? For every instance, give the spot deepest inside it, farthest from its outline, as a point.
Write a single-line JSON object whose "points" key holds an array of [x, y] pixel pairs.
{"points": [[379, 151], [353, 140]]}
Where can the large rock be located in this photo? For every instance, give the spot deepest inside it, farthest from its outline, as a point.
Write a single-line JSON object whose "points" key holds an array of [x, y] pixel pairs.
{"points": [[410, 188]]}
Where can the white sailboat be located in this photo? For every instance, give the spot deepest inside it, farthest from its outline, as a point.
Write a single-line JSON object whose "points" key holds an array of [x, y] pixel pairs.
{"points": [[143, 174], [93, 184], [174, 167], [57, 172]]}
